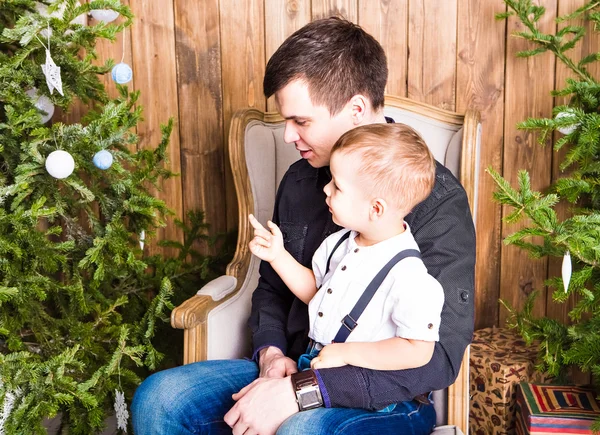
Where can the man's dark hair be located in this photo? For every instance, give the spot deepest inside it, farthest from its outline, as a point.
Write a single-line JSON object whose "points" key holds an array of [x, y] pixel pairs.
{"points": [[336, 58]]}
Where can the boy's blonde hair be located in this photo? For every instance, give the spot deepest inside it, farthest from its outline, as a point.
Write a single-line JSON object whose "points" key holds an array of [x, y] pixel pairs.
{"points": [[396, 164]]}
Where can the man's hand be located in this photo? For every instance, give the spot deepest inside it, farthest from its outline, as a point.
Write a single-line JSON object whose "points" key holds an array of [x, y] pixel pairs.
{"points": [[332, 355], [262, 406], [274, 364], [266, 245]]}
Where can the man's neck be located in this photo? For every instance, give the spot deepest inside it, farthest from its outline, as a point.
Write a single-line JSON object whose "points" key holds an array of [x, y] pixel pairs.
{"points": [[375, 118]]}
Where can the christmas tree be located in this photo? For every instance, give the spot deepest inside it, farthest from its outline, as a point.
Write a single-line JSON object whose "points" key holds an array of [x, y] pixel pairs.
{"points": [[80, 304], [575, 238]]}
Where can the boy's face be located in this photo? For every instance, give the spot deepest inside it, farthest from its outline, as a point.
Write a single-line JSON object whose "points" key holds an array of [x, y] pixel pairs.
{"points": [[311, 128], [347, 199]]}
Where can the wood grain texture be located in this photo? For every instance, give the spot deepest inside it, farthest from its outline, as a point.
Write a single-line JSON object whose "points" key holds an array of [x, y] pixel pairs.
{"points": [[528, 83], [387, 21], [198, 54], [432, 52], [480, 85], [339, 8], [282, 18], [242, 27], [154, 69]]}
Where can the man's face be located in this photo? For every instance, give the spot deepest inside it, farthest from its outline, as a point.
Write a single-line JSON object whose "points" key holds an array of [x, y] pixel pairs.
{"points": [[311, 128]]}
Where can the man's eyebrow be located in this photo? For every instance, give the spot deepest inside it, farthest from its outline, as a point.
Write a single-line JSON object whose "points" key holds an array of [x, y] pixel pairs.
{"points": [[298, 118]]}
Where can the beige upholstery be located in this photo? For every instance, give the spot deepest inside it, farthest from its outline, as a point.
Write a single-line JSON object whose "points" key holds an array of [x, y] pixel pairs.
{"points": [[214, 321]]}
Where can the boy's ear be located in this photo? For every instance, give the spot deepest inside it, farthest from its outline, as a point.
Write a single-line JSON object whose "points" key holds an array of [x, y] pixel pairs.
{"points": [[378, 207], [358, 107]]}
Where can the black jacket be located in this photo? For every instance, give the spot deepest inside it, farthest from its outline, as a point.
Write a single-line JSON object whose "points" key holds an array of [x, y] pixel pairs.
{"points": [[443, 228]]}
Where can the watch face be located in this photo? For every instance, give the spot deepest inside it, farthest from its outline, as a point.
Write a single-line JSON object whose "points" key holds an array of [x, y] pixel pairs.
{"points": [[310, 398]]}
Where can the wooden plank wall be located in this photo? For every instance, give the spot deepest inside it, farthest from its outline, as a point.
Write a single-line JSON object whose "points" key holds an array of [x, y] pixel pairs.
{"points": [[201, 61]]}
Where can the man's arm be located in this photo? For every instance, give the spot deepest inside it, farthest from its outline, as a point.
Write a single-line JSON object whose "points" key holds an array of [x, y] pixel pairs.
{"points": [[271, 302], [443, 228]]}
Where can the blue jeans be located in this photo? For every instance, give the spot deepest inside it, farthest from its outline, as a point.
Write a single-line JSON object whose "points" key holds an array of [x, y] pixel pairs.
{"points": [[193, 399]]}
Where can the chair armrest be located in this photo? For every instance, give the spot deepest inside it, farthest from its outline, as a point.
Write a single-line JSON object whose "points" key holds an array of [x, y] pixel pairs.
{"points": [[219, 287], [194, 310], [191, 312]]}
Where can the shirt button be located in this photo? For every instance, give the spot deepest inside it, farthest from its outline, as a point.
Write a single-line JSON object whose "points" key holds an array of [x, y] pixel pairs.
{"points": [[329, 291], [430, 326], [356, 250], [343, 267], [320, 314], [464, 296]]}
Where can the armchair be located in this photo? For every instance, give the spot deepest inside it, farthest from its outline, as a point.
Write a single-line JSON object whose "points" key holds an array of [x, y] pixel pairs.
{"points": [[214, 320]]}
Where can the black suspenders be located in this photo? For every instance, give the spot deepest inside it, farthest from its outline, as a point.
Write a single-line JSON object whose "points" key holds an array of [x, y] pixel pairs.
{"points": [[350, 321]]}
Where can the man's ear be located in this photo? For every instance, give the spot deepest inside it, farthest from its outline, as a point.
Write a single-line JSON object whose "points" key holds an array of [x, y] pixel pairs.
{"points": [[378, 208], [359, 104]]}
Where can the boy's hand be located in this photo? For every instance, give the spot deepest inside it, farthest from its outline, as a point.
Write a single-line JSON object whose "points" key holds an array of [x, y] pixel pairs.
{"points": [[266, 245], [332, 355]]}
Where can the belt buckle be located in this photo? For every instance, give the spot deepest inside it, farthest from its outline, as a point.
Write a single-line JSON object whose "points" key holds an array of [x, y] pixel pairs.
{"points": [[315, 345]]}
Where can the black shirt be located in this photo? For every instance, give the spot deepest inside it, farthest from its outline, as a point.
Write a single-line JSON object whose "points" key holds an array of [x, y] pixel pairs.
{"points": [[443, 228]]}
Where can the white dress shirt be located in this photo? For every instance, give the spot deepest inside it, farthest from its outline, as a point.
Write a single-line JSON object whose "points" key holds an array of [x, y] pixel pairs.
{"points": [[407, 304]]}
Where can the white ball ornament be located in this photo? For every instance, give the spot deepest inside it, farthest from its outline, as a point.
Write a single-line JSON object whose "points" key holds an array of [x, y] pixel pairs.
{"points": [[42, 103], [106, 15], [121, 73], [569, 128], [60, 164], [103, 159]]}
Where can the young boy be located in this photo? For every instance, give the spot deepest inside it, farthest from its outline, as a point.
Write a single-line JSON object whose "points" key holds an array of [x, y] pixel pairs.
{"points": [[379, 173]]}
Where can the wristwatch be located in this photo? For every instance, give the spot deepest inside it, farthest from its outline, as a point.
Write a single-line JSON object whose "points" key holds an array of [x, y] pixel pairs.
{"points": [[306, 387]]}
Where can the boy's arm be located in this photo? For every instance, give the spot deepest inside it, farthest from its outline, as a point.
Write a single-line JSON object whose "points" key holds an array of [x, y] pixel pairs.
{"points": [[268, 246], [391, 354]]}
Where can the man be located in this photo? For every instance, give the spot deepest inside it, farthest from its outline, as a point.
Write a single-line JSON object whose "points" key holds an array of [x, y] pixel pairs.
{"points": [[327, 78]]}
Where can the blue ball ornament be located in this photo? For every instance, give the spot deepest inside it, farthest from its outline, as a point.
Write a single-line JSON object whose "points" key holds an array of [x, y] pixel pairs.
{"points": [[103, 159], [121, 73]]}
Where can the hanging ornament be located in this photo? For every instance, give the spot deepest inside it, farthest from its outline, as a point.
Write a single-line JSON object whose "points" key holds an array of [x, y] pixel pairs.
{"points": [[142, 238], [121, 411], [106, 15], [103, 159], [121, 73], [567, 268], [569, 128], [42, 103], [60, 164], [52, 73]]}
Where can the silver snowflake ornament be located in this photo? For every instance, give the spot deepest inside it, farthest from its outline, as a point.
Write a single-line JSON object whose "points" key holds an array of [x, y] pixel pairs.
{"points": [[121, 411], [52, 73]]}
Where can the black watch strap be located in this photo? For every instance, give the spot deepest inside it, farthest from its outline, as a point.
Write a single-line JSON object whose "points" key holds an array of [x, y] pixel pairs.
{"points": [[306, 388]]}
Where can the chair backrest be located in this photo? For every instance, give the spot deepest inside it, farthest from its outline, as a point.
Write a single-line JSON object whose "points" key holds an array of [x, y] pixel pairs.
{"points": [[259, 159]]}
